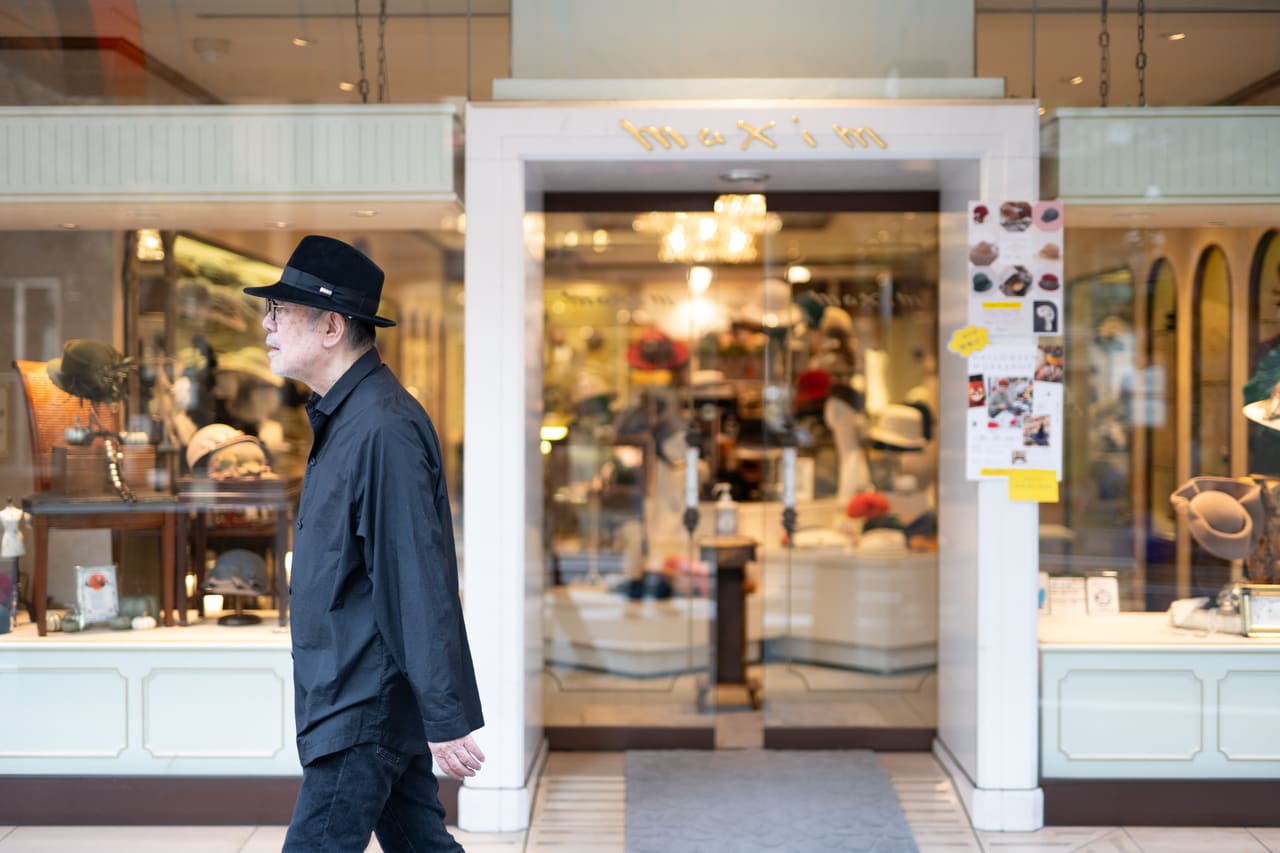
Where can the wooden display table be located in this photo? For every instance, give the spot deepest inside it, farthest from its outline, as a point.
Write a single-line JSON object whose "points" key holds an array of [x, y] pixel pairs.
{"points": [[729, 556], [203, 495], [51, 511]]}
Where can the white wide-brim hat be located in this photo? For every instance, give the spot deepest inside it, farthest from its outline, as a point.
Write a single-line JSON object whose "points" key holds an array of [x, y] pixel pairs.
{"points": [[900, 426]]}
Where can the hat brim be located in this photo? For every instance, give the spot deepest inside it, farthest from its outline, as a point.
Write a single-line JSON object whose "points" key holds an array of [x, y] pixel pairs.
{"points": [[679, 355], [1257, 412], [282, 292]]}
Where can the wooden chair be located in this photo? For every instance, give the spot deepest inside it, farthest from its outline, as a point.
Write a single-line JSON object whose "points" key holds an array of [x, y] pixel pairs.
{"points": [[50, 410]]}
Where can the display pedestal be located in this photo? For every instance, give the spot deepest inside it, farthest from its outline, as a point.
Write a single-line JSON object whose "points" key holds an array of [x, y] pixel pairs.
{"points": [[729, 555]]}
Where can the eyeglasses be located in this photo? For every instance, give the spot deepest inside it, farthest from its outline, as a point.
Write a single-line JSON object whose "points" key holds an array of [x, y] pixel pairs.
{"points": [[274, 312]]}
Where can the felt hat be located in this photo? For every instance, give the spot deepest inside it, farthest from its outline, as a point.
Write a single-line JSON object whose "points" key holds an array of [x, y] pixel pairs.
{"points": [[329, 274], [811, 307], [90, 370], [251, 361], [653, 350], [1225, 515], [237, 572], [1266, 412], [901, 427]]}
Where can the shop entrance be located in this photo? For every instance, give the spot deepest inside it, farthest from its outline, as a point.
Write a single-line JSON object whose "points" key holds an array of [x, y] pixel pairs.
{"points": [[690, 340]]}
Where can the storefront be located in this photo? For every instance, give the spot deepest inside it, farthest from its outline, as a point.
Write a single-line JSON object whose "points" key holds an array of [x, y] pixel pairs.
{"points": [[1168, 306]]}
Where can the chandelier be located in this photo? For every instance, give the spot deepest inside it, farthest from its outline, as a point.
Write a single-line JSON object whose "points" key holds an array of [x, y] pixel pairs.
{"points": [[727, 235]]}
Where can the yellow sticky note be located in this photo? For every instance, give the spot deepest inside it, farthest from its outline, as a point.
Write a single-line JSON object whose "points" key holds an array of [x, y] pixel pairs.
{"points": [[1033, 484], [969, 340], [1002, 306]]}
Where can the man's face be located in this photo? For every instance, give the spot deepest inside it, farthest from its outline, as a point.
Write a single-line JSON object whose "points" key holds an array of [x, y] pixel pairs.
{"points": [[293, 339]]}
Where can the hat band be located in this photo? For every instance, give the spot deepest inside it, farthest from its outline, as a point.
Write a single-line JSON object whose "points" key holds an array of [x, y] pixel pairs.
{"points": [[302, 280]]}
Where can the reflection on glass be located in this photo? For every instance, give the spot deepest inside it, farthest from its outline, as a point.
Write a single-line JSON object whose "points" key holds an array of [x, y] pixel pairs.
{"points": [[1161, 433], [1264, 350], [1212, 403], [646, 359]]}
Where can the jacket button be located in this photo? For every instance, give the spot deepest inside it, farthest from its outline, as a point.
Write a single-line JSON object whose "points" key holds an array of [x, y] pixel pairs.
{"points": [[311, 461], [299, 524]]}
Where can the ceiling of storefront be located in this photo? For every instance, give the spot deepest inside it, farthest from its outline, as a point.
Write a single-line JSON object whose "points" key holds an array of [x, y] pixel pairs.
{"points": [[242, 51]]}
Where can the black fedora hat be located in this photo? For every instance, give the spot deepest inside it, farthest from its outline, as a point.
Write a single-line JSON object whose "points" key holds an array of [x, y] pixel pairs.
{"points": [[326, 273]]}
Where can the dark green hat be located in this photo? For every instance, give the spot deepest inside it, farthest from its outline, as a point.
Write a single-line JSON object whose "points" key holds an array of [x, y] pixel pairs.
{"points": [[90, 370]]}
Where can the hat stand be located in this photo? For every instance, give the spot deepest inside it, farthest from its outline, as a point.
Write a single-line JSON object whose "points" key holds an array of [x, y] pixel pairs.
{"points": [[239, 617]]}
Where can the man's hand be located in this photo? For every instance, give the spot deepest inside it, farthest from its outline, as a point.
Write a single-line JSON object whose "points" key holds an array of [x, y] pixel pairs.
{"points": [[458, 758]]}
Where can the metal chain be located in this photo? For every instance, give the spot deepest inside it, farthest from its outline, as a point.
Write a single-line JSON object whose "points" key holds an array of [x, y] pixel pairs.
{"points": [[363, 85], [1141, 59], [384, 92], [1104, 73]]}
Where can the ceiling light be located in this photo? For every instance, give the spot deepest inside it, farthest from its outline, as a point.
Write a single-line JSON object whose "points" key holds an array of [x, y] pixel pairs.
{"points": [[727, 235], [280, 223], [1076, 80], [347, 87], [1041, 110], [700, 279], [1175, 36], [68, 226], [798, 274], [365, 214], [150, 246], [299, 41]]}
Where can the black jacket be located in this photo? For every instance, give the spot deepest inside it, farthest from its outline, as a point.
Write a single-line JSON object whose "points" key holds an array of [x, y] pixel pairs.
{"points": [[380, 651]]}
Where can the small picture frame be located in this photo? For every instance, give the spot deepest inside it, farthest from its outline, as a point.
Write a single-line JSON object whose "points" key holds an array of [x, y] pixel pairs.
{"points": [[1260, 609], [1103, 595], [97, 593], [1067, 596]]}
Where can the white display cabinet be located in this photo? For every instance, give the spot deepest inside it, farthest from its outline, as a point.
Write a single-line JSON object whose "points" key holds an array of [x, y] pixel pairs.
{"points": [[1131, 697]]}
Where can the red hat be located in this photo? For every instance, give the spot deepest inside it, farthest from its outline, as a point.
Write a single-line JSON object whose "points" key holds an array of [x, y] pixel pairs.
{"points": [[812, 388], [653, 350]]}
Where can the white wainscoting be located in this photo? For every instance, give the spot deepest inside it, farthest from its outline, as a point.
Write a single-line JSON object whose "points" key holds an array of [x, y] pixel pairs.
{"points": [[206, 700], [1129, 697]]}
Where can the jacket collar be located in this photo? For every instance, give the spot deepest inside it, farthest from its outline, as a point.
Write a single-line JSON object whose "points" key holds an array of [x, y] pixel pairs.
{"points": [[341, 389]]}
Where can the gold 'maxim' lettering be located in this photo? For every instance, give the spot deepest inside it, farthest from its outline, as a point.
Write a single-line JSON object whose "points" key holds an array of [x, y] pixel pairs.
{"points": [[752, 133], [805, 135], [858, 134], [664, 136], [709, 137]]}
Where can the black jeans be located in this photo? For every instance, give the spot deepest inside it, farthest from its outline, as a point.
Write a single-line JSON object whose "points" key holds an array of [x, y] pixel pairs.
{"points": [[349, 795]]}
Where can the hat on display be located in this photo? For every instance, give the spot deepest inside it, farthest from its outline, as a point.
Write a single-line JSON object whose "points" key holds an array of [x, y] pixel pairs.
{"points": [[653, 350], [329, 274], [811, 308], [237, 572], [251, 361], [900, 427], [591, 388], [1266, 412], [1226, 516], [90, 370], [836, 321], [223, 452], [850, 396], [812, 388], [711, 385], [882, 542]]}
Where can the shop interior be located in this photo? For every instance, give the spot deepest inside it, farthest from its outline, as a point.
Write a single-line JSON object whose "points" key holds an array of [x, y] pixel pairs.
{"points": [[716, 332]]}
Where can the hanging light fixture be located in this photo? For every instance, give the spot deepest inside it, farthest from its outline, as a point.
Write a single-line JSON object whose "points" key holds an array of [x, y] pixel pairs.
{"points": [[726, 235]]}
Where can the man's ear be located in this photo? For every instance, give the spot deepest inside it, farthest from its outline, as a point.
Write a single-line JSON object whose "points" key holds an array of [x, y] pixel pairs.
{"points": [[333, 328]]}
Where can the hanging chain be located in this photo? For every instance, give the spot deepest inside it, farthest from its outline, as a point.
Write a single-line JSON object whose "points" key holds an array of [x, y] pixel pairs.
{"points": [[363, 85], [1141, 59], [1104, 65], [384, 93]]}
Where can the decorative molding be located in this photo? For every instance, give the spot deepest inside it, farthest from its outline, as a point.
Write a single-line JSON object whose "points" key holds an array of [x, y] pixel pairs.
{"points": [[78, 693], [1117, 677], [1264, 710], [266, 706]]}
